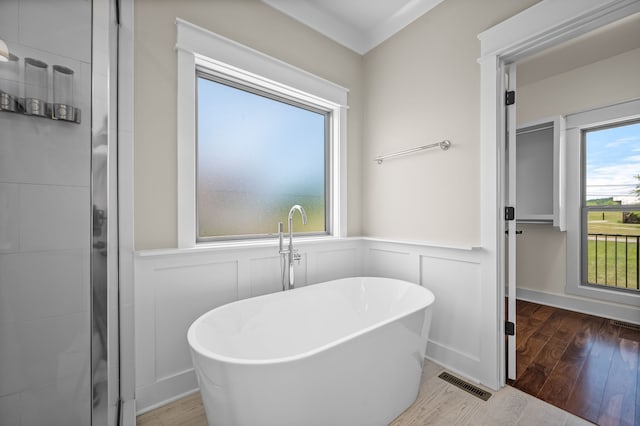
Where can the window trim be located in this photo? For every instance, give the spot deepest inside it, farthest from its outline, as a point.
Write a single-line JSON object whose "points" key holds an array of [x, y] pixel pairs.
{"points": [[197, 47], [577, 124], [585, 209]]}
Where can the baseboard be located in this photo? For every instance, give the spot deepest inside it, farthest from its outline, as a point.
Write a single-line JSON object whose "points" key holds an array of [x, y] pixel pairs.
{"points": [[579, 304], [165, 391], [129, 413], [455, 361]]}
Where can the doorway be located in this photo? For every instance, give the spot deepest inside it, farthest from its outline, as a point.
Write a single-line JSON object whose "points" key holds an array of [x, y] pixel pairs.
{"points": [[588, 21], [542, 26]]}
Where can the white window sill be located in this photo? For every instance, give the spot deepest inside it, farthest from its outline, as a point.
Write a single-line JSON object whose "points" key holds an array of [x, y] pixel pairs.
{"points": [[244, 245]]}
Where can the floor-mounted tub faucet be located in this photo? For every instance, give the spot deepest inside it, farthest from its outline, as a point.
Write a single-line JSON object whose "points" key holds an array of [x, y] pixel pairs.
{"points": [[290, 255]]}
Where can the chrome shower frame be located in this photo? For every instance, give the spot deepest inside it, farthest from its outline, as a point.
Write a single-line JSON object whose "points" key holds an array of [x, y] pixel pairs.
{"points": [[106, 406]]}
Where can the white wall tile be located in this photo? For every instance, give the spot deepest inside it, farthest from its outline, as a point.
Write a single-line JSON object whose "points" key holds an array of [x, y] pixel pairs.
{"points": [[42, 284], [36, 150], [9, 217], [54, 349], [9, 12], [54, 217], [65, 402], [61, 27], [42, 151], [10, 361], [10, 410]]}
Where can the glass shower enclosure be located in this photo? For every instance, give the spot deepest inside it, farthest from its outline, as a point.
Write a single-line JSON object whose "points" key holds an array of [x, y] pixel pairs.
{"points": [[59, 341]]}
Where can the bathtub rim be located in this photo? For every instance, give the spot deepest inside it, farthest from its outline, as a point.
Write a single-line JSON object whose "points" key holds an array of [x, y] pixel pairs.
{"points": [[206, 353]]}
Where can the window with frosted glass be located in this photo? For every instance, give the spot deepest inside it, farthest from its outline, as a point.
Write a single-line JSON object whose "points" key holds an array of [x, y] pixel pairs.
{"points": [[611, 206], [257, 155]]}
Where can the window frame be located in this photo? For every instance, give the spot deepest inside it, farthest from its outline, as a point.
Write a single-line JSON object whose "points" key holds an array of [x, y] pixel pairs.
{"points": [[585, 208], [226, 80], [577, 124], [198, 48]]}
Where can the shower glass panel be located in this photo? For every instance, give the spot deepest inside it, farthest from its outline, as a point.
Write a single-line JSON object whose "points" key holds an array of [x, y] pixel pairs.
{"points": [[56, 245]]}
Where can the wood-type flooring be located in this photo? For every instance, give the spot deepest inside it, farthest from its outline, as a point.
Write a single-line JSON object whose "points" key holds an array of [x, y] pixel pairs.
{"points": [[439, 403], [583, 364]]}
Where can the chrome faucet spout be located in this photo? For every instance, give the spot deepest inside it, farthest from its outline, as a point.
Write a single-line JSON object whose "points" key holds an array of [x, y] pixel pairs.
{"points": [[299, 208], [292, 255]]}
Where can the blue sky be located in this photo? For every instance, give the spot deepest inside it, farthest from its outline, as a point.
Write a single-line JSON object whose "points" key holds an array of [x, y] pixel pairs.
{"points": [[613, 159], [272, 146], [256, 158]]}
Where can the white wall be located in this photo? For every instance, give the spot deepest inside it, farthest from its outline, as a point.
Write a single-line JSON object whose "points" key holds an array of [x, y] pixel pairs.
{"points": [[420, 86], [541, 262], [423, 86], [45, 209], [173, 288], [252, 24], [592, 86]]}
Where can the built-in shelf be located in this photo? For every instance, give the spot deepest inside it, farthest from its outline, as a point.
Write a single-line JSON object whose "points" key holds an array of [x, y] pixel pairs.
{"points": [[39, 108], [540, 172]]}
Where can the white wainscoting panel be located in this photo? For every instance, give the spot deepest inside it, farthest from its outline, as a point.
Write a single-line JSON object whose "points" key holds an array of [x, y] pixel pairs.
{"points": [[184, 293], [265, 275], [392, 262], [333, 264], [455, 334], [453, 274], [174, 287]]}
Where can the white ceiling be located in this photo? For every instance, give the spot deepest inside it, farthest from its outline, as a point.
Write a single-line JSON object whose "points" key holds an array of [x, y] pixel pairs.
{"points": [[359, 25]]}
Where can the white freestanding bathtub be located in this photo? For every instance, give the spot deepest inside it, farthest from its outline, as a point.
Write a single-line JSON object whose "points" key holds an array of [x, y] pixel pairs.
{"points": [[343, 352]]}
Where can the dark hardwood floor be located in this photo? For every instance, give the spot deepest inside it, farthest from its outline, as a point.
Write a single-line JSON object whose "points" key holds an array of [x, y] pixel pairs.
{"points": [[583, 364]]}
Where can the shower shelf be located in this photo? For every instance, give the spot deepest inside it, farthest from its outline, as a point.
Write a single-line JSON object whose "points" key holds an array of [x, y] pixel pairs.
{"points": [[58, 112]]}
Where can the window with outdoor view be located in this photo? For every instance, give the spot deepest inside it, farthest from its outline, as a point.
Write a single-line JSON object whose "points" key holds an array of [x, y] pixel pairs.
{"points": [[611, 206], [258, 153]]}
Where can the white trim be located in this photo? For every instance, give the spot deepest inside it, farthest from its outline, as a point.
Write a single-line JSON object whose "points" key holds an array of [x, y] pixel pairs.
{"points": [[541, 26], [605, 115], [194, 39], [347, 34], [575, 124], [551, 22], [198, 46], [126, 211], [492, 222], [578, 304], [558, 217], [302, 241]]}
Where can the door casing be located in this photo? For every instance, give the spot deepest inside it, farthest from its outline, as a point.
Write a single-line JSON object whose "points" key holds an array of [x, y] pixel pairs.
{"points": [[543, 25]]}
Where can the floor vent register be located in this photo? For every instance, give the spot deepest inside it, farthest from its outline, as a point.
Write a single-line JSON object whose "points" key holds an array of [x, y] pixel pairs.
{"points": [[628, 325], [465, 386]]}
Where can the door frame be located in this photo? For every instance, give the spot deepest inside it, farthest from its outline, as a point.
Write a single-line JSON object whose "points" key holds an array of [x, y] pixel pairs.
{"points": [[539, 27], [509, 186]]}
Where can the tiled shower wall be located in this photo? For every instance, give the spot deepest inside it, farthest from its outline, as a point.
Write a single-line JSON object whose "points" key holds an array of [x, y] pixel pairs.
{"points": [[45, 227]]}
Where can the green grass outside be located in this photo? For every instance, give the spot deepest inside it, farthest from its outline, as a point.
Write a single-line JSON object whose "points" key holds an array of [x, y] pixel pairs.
{"points": [[611, 224], [607, 271], [614, 263]]}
